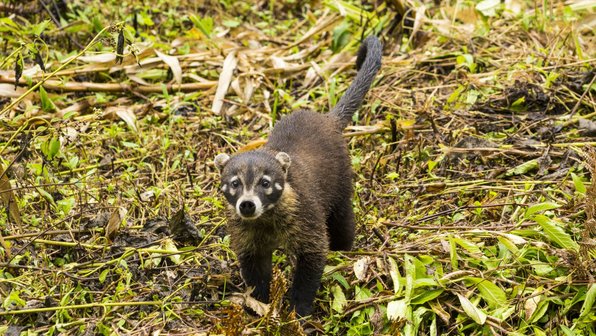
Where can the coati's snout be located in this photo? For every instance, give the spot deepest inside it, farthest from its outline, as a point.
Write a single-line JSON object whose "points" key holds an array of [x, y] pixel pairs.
{"points": [[253, 182]]}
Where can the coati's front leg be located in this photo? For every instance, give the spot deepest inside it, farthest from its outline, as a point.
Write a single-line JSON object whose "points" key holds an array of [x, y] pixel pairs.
{"points": [[255, 267], [307, 280]]}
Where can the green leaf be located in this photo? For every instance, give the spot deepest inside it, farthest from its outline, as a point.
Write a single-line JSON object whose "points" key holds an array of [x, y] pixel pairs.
{"points": [[426, 296], [472, 311], [523, 168], [567, 331], [205, 25], [410, 276], [395, 276], [455, 95], [588, 302], [339, 299], [103, 275], [469, 246], [580, 187], [540, 207], [340, 278], [489, 291], [231, 23], [453, 253], [53, 148], [46, 103], [539, 312], [341, 36], [129, 144], [168, 245], [555, 233], [40, 27]]}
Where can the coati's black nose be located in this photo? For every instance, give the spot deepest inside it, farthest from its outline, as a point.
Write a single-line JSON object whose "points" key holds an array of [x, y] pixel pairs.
{"points": [[247, 208]]}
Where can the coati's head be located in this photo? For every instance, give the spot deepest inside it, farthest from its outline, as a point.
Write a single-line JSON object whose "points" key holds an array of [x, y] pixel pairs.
{"points": [[253, 182]]}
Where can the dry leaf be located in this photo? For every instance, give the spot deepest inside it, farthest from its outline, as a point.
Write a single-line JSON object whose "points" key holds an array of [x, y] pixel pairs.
{"points": [[530, 306], [127, 114], [279, 63], [174, 65], [225, 78], [113, 226], [244, 299], [8, 199], [99, 58], [360, 267], [252, 145], [7, 90]]}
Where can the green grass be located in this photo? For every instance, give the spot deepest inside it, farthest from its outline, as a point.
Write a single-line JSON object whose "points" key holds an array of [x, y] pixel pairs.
{"points": [[473, 160]]}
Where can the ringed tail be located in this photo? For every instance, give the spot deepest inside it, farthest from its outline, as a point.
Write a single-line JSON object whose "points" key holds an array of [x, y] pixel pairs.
{"points": [[368, 63]]}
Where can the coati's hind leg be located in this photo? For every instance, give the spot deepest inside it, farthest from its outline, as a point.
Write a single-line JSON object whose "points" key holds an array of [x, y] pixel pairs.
{"points": [[341, 226]]}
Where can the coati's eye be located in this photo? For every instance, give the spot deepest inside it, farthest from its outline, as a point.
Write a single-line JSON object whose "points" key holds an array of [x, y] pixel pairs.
{"points": [[235, 184], [265, 183]]}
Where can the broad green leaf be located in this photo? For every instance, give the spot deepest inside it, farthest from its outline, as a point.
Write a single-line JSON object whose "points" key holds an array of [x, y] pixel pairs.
{"points": [[339, 299], [231, 23], [340, 278], [205, 25], [472, 311], [455, 95], [580, 187], [567, 331], [469, 246], [540, 311], [589, 302], [425, 282], [103, 275], [555, 233], [410, 276], [40, 27], [396, 310], [395, 276], [453, 253], [540, 207], [417, 318], [490, 292], [523, 168], [509, 245], [53, 148], [426, 296], [168, 245], [46, 103]]}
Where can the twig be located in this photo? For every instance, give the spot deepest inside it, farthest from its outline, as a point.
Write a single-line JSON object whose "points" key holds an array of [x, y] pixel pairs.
{"points": [[82, 306], [56, 85], [38, 84]]}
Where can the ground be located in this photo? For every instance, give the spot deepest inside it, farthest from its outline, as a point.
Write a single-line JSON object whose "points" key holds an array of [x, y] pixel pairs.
{"points": [[473, 157]]}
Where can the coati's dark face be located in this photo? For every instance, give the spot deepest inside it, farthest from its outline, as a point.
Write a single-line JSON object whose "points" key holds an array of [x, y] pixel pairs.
{"points": [[253, 182]]}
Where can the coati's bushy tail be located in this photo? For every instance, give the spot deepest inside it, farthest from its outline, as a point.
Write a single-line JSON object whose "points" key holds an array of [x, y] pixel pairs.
{"points": [[368, 64]]}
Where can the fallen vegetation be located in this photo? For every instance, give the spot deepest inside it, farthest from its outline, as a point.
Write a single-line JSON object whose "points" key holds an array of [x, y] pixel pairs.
{"points": [[473, 161]]}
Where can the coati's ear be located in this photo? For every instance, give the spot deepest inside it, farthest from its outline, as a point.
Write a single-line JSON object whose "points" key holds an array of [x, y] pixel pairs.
{"points": [[284, 160], [221, 160]]}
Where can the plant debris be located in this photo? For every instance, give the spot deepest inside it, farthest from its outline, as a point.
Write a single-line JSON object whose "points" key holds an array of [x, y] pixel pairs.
{"points": [[473, 159]]}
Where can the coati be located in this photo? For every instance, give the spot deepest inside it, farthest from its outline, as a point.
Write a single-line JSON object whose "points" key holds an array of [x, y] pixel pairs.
{"points": [[295, 192]]}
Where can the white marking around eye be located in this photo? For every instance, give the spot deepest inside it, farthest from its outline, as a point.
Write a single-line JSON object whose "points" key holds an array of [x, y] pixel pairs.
{"points": [[224, 187], [268, 191], [232, 189], [267, 178], [278, 186]]}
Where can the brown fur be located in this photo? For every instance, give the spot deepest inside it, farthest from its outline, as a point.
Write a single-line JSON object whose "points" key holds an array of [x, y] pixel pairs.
{"points": [[311, 211]]}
